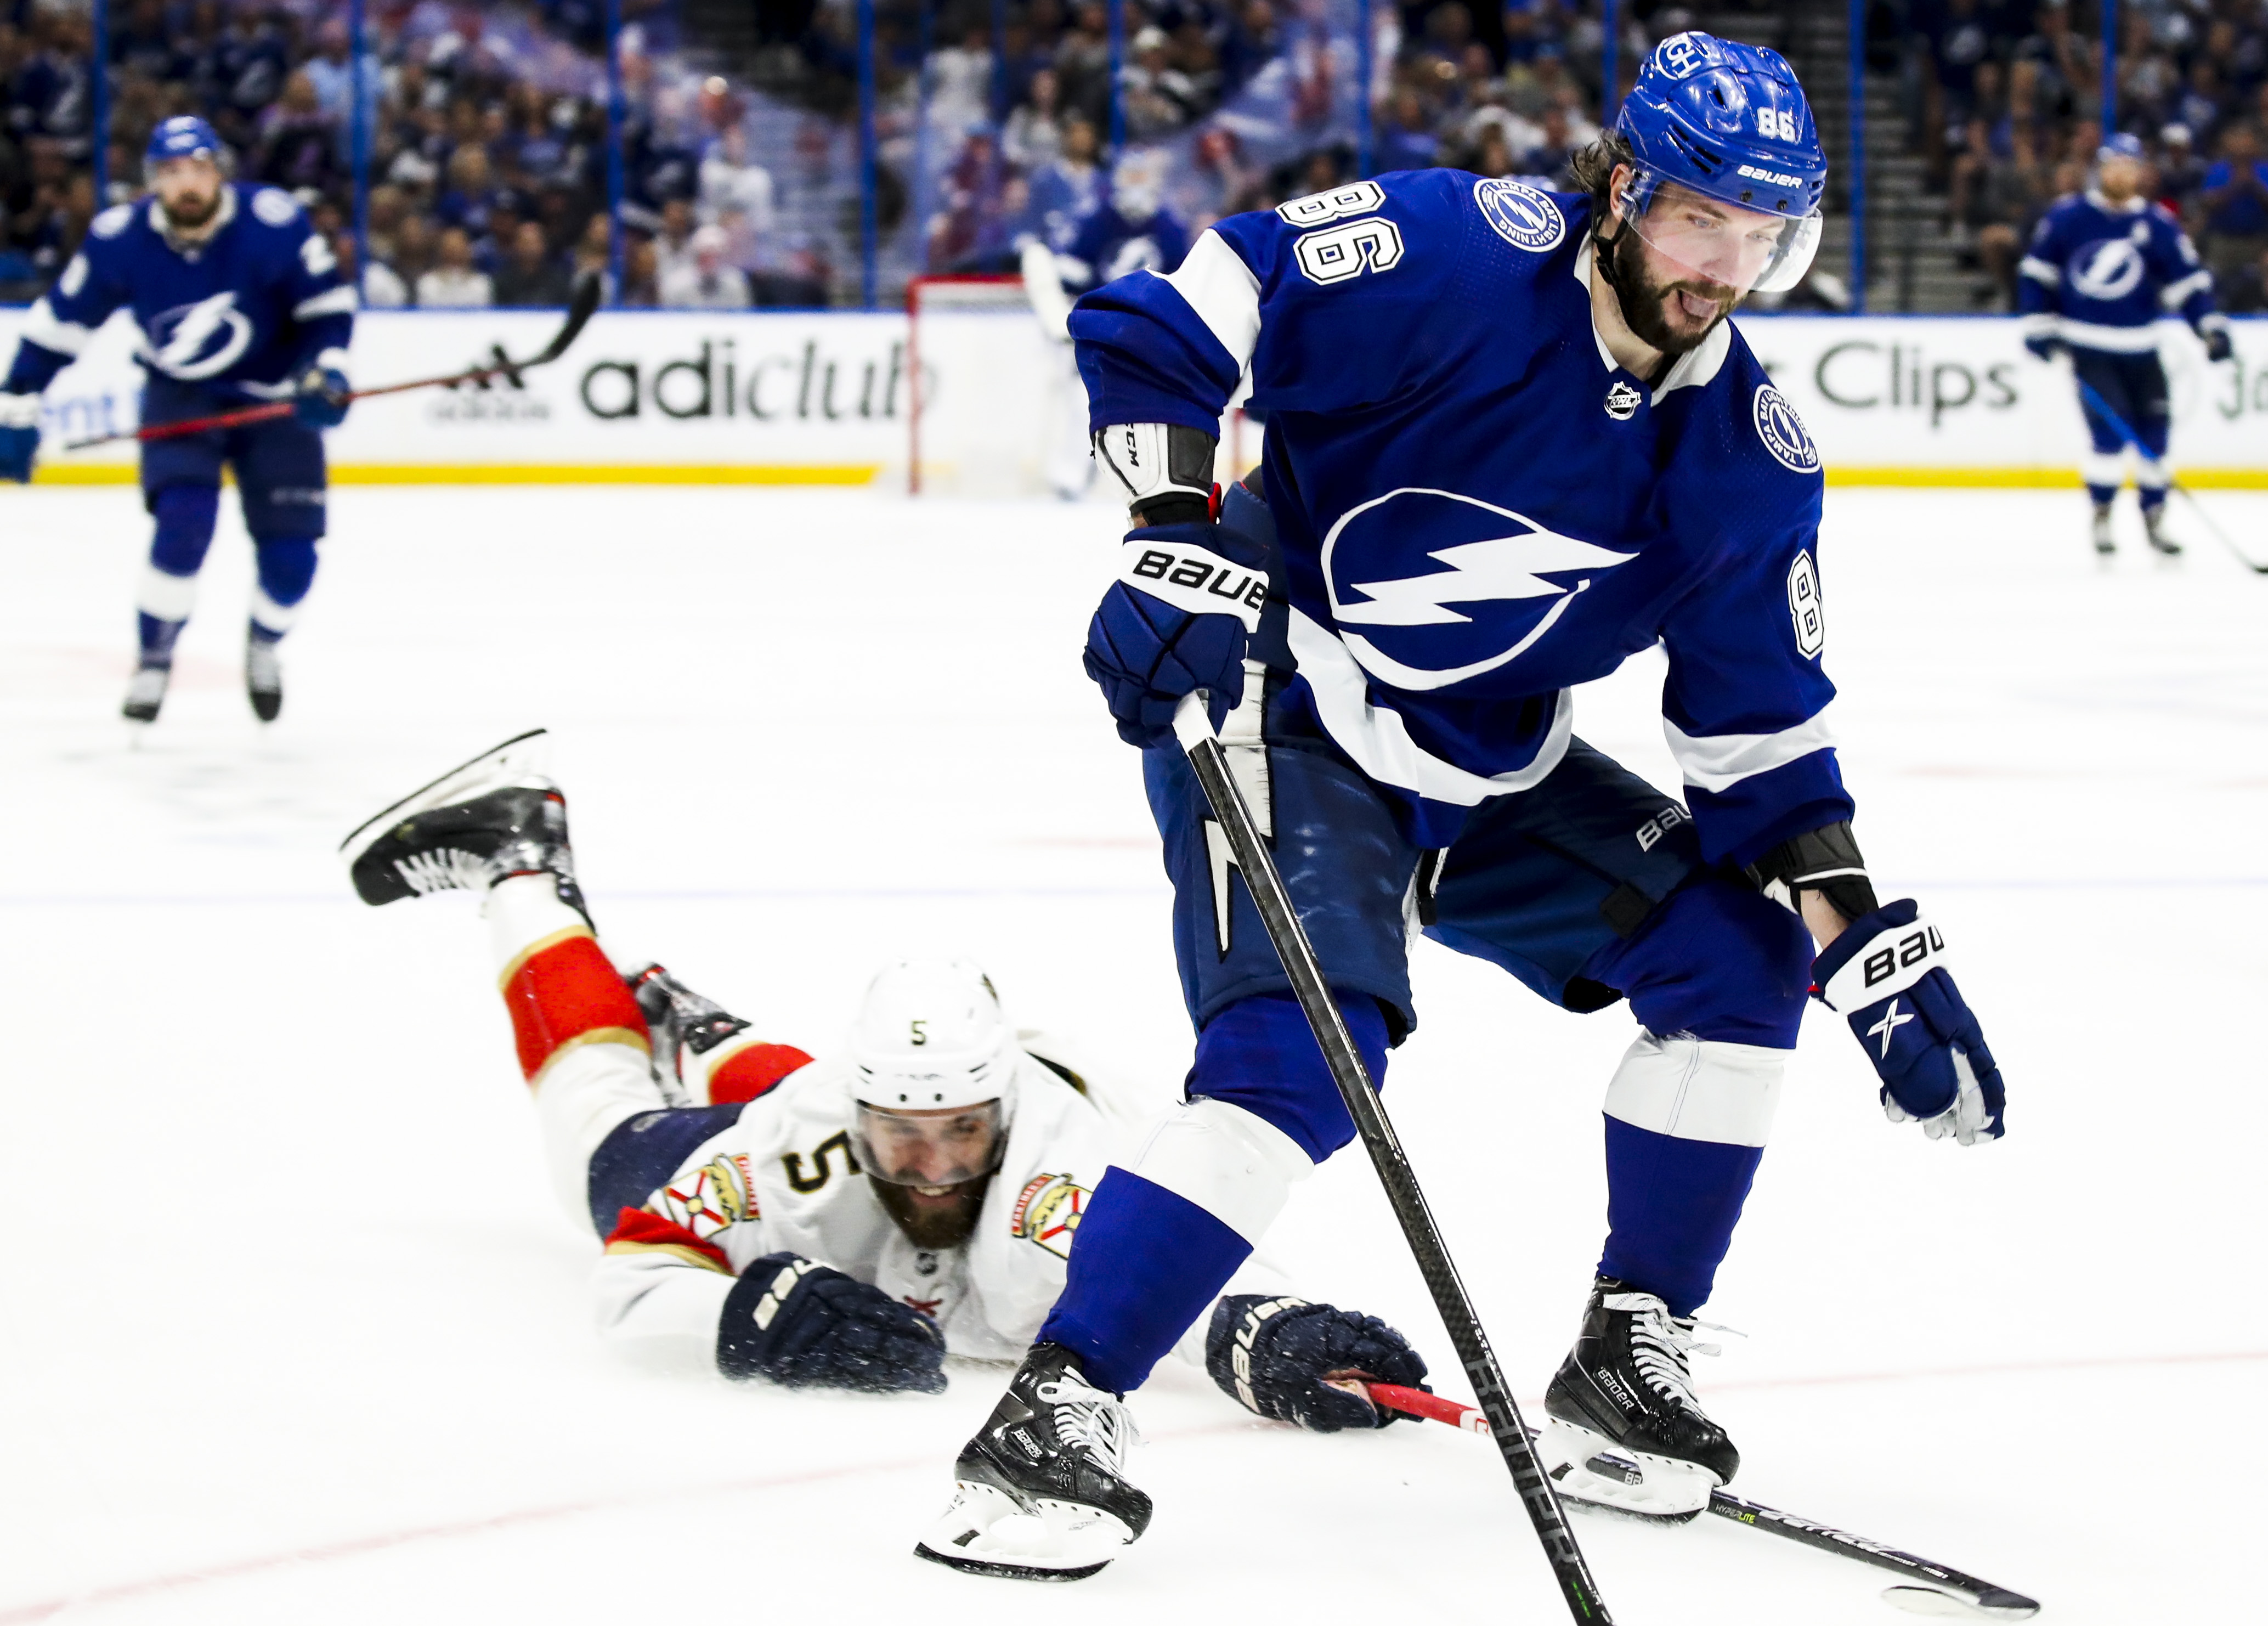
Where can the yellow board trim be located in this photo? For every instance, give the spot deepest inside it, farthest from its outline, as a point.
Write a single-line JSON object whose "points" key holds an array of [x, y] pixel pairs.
{"points": [[865, 474], [522, 474]]}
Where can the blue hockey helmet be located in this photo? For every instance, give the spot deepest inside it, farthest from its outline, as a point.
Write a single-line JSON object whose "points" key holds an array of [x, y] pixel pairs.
{"points": [[1728, 121], [2122, 146], [186, 136]]}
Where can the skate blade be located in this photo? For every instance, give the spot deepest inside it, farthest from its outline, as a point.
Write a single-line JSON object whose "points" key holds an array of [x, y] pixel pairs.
{"points": [[1588, 1467], [1947, 1606], [519, 758], [987, 1532]]}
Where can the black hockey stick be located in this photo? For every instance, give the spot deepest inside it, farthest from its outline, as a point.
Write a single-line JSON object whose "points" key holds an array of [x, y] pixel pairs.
{"points": [[2102, 409], [1929, 1588], [1348, 1071], [585, 300]]}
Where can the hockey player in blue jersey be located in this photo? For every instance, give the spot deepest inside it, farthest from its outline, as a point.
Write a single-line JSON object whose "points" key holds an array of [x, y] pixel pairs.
{"points": [[2101, 270], [1512, 441], [240, 301]]}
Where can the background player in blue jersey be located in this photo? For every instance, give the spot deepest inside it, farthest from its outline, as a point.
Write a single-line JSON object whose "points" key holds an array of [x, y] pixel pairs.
{"points": [[2101, 270], [240, 301], [1511, 440]]}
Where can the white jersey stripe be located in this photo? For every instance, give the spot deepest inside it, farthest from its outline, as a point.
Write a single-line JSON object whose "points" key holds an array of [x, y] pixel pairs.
{"points": [[1717, 762], [1225, 294]]}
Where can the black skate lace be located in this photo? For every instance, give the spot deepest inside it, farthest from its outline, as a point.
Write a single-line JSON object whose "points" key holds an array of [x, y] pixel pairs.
{"points": [[1091, 1419], [1660, 1344], [444, 869]]}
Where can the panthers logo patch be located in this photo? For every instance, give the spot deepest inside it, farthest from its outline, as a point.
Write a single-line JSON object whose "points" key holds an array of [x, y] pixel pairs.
{"points": [[1046, 1212]]}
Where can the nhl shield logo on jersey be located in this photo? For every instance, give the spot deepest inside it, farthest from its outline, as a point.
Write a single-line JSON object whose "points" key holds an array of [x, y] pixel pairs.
{"points": [[1046, 1212], [1783, 432], [1622, 401], [1520, 215], [1395, 567]]}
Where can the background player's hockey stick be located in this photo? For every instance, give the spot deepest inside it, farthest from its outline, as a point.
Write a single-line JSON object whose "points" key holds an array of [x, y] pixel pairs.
{"points": [[1931, 1588], [579, 308], [2102, 409], [1348, 1071]]}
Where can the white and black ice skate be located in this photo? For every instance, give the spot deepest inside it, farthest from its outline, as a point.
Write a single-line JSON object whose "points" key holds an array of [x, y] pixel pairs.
{"points": [[264, 678], [2154, 523], [146, 693], [1625, 1431], [496, 816], [2105, 544], [1040, 1494], [678, 1021]]}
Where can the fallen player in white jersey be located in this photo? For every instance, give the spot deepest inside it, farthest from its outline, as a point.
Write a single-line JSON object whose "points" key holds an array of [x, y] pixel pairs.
{"points": [[846, 1222]]}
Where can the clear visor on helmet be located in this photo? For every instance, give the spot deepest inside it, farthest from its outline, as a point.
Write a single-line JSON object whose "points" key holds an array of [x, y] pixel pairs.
{"points": [[1747, 250], [937, 1147]]}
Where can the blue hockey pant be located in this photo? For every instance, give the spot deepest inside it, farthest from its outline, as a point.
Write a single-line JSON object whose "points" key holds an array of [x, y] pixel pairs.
{"points": [[281, 480], [2133, 386], [1590, 888]]}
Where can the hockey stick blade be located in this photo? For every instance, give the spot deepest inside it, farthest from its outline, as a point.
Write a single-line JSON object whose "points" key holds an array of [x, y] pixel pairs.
{"points": [[1931, 1589], [2102, 409], [1273, 901], [583, 301]]}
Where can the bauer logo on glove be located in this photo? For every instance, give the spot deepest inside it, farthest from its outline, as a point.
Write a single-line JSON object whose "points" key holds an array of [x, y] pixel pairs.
{"points": [[1887, 975]]}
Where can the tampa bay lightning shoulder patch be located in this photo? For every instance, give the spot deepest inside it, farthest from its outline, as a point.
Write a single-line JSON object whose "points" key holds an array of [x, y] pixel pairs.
{"points": [[1520, 215], [1783, 432]]}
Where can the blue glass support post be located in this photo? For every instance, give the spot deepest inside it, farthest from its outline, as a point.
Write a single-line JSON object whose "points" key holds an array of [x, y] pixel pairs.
{"points": [[999, 62], [924, 187], [1365, 136], [2110, 69], [358, 136], [866, 168], [98, 107], [1118, 76], [1611, 83], [615, 258], [1858, 157]]}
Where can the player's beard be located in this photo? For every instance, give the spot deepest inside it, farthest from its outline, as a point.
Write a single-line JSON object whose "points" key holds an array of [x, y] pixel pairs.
{"points": [[1661, 313], [180, 219], [933, 1222]]}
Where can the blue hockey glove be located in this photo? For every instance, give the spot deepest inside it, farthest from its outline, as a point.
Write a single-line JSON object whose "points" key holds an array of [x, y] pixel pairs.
{"points": [[2046, 346], [1886, 973], [799, 1323], [322, 402], [1175, 621], [20, 436], [2217, 345], [1275, 1357]]}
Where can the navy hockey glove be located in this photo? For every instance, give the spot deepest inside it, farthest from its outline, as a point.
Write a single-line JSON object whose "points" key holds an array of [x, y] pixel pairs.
{"points": [[1886, 973], [2217, 345], [2046, 346], [1275, 1357], [20, 436], [1187, 598], [798, 1323], [322, 402]]}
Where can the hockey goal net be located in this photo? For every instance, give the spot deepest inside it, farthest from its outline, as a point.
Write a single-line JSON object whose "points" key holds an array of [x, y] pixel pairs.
{"points": [[985, 387]]}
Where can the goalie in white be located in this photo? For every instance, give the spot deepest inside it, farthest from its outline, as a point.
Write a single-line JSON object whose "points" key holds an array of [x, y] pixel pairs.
{"points": [[846, 1222]]}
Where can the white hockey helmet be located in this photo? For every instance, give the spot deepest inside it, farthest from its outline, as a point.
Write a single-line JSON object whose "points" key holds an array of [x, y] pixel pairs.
{"points": [[929, 1037]]}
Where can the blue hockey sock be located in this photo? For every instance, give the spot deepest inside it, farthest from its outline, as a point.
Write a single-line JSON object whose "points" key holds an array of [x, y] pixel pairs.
{"points": [[1671, 1208], [2103, 496], [1147, 1263], [186, 515], [287, 570], [157, 639]]}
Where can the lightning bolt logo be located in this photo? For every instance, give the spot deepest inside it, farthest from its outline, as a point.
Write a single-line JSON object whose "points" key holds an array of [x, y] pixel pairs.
{"points": [[1510, 567], [185, 332]]}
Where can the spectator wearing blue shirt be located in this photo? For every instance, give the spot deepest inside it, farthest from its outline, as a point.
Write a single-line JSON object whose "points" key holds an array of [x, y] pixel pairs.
{"points": [[2235, 199]]}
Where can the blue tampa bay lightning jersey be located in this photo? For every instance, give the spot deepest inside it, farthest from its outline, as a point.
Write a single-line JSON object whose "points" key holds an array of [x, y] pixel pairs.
{"points": [[2098, 274], [1109, 246], [245, 312], [1479, 509]]}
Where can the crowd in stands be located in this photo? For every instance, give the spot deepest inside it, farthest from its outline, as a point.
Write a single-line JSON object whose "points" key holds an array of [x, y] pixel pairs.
{"points": [[2010, 114]]}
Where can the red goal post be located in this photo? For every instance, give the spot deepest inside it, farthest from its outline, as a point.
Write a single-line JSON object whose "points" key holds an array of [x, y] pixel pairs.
{"points": [[928, 298]]}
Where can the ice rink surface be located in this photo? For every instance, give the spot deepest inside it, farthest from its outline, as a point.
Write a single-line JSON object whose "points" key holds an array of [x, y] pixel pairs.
{"points": [[292, 1331]]}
